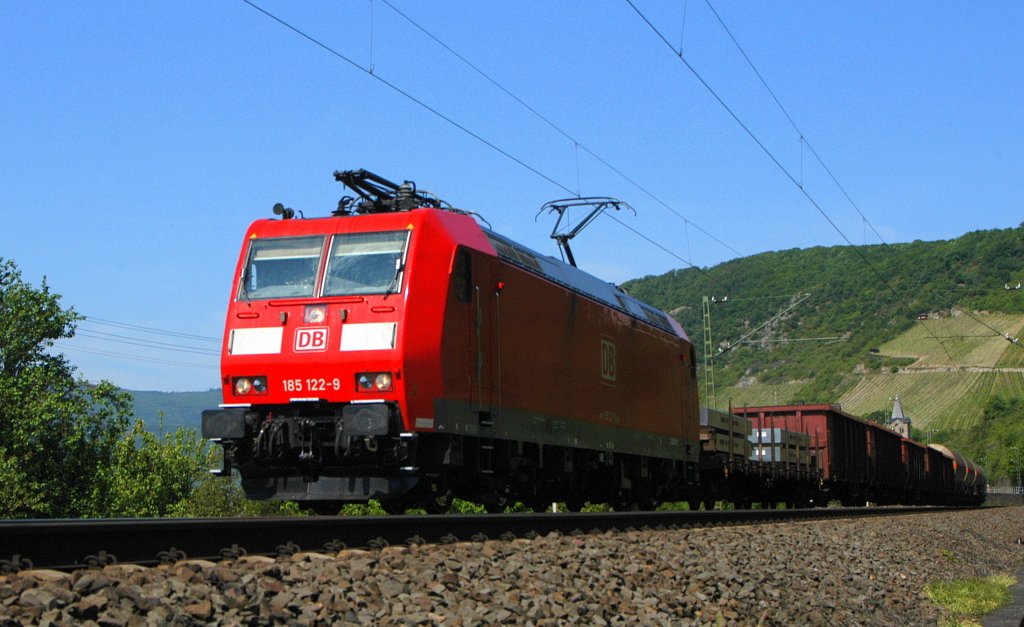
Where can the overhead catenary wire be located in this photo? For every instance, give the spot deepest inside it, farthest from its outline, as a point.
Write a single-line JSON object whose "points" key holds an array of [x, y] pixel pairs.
{"points": [[459, 126], [1004, 335], [96, 351], [656, 244], [736, 118], [86, 331], [730, 345], [576, 143], [804, 141], [798, 184], [788, 340], [122, 339], [136, 327], [803, 137], [409, 96]]}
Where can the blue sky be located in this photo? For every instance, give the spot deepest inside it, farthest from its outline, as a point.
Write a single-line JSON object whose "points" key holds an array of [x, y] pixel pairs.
{"points": [[140, 139]]}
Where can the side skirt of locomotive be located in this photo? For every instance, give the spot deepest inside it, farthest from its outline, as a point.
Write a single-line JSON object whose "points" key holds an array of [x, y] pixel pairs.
{"points": [[514, 455], [325, 455]]}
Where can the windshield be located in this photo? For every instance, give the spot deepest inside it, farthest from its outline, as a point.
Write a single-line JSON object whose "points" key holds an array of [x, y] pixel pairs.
{"points": [[282, 267], [366, 263]]}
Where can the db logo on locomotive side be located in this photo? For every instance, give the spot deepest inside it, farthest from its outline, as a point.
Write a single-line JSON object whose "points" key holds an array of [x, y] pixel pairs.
{"points": [[311, 339], [608, 360]]}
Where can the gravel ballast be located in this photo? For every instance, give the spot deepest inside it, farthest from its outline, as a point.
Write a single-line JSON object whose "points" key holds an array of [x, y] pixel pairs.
{"points": [[864, 571]]}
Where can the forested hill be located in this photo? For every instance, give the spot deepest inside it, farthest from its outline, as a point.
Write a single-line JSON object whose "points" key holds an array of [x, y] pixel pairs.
{"points": [[866, 295], [163, 412]]}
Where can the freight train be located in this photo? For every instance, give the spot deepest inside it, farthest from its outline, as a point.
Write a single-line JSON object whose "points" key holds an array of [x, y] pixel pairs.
{"points": [[402, 351]]}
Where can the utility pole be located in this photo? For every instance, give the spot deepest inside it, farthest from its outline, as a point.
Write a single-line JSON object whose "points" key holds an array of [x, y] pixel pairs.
{"points": [[1016, 459], [709, 360]]}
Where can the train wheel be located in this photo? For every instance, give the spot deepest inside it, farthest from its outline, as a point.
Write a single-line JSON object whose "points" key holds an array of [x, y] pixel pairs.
{"points": [[395, 507], [647, 503], [439, 502], [497, 503], [625, 505]]}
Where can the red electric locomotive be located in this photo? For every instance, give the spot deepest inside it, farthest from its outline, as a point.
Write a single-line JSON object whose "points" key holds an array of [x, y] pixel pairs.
{"points": [[400, 351]]}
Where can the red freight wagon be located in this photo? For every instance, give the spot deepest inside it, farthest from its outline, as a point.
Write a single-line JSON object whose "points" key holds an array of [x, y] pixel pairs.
{"points": [[857, 459], [940, 474], [861, 461], [915, 470], [886, 477]]}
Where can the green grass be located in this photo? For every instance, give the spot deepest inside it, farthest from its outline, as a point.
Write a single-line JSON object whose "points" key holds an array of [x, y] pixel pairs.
{"points": [[971, 598], [933, 393], [919, 367], [752, 395], [960, 340], [1013, 354], [938, 400]]}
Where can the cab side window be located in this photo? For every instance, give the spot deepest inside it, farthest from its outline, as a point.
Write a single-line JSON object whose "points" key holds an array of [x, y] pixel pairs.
{"points": [[462, 276]]}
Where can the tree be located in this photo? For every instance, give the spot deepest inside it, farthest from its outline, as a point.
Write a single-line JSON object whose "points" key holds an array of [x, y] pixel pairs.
{"points": [[57, 431], [218, 497], [149, 475]]}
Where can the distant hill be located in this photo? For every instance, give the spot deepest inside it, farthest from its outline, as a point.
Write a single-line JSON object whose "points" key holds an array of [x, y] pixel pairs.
{"points": [[858, 338], [180, 409]]}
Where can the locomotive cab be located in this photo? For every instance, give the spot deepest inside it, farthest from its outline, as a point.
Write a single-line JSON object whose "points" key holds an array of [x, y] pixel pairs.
{"points": [[322, 336]]}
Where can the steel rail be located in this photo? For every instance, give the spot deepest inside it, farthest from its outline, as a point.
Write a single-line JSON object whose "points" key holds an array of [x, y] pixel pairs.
{"points": [[82, 543]]}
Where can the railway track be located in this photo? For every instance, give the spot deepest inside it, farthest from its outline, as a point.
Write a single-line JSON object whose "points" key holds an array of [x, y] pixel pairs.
{"points": [[74, 544]]}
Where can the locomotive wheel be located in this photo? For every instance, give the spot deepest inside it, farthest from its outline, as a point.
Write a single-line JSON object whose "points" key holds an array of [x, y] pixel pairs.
{"points": [[648, 504], [439, 502], [395, 507], [498, 502], [625, 505]]}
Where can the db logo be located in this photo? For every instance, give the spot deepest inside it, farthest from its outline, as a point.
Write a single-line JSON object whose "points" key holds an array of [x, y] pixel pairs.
{"points": [[311, 339], [608, 365]]}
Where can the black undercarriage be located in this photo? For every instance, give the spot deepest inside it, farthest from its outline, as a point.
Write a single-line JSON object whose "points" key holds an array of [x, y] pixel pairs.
{"points": [[324, 457]]}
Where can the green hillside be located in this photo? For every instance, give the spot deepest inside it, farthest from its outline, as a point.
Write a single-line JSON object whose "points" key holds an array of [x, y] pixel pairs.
{"points": [[857, 339], [958, 363], [180, 409]]}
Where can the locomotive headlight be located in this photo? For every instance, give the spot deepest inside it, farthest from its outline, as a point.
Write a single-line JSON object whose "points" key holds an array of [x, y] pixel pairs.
{"points": [[243, 385], [315, 314], [373, 382]]}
